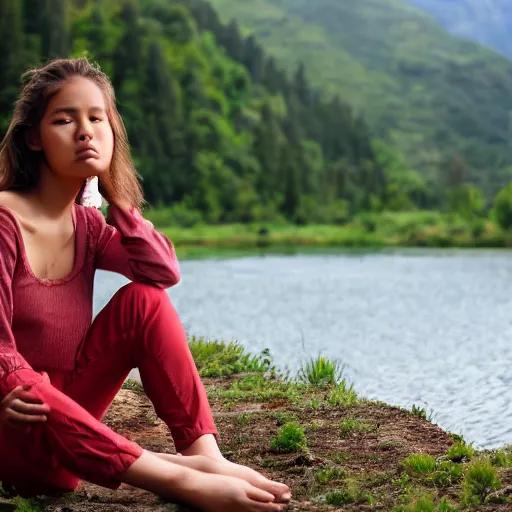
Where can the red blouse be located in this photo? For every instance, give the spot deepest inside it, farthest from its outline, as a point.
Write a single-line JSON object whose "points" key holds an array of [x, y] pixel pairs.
{"points": [[42, 322]]}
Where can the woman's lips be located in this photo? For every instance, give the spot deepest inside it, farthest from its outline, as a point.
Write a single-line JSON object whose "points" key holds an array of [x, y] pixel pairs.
{"points": [[86, 154]]}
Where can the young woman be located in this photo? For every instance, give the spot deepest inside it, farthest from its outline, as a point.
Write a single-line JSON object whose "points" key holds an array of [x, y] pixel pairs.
{"points": [[58, 373]]}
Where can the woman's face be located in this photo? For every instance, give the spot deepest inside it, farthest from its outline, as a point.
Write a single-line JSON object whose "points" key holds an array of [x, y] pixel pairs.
{"points": [[75, 133]]}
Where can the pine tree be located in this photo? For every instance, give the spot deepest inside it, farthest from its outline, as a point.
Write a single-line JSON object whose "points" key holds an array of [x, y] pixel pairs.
{"points": [[127, 57], [253, 59], [267, 148], [55, 29], [11, 55]]}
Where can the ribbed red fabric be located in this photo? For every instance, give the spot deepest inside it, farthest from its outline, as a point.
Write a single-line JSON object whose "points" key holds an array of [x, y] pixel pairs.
{"points": [[42, 322]]}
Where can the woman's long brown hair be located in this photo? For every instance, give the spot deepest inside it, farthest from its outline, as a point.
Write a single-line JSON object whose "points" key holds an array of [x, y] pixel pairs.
{"points": [[20, 166]]}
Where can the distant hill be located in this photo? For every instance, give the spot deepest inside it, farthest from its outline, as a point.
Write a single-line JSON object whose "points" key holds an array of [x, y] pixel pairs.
{"points": [[431, 94], [488, 22]]}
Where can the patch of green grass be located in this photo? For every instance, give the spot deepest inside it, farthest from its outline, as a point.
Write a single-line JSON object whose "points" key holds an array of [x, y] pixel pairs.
{"points": [[479, 481], [282, 417], [320, 372], [133, 385], [339, 457], [426, 503], [446, 474], [219, 359], [327, 475], [389, 445], [461, 452], [257, 388], [244, 418], [349, 426], [342, 395], [291, 438], [419, 463], [420, 412], [350, 494], [501, 459], [23, 505]]}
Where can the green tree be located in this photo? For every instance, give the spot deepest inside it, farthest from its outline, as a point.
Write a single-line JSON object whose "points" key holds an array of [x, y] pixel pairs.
{"points": [[503, 207], [55, 29], [466, 200], [11, 56]]}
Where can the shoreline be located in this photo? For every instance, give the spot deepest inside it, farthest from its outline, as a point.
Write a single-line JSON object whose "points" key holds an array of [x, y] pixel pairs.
{"points": [[336, 450]]}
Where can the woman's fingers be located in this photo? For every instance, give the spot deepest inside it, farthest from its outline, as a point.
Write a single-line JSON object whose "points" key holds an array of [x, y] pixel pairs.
{"points": [[19, 418], [23, 407]]}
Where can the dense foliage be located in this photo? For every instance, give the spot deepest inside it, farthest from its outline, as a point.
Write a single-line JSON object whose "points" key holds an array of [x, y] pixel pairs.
{"points": [[429, 94], [220, 133]]}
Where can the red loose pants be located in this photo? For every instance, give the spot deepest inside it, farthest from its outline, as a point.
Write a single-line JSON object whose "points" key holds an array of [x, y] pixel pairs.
{"points": [[138, 328]]}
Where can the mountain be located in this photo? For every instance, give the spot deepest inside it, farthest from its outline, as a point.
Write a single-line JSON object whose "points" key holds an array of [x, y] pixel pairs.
{"points": [[488, 22], [214, 138], [428, 93]]}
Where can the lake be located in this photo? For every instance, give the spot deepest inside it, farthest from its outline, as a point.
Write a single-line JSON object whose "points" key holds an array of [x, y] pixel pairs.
{"points": [[431, 328]]}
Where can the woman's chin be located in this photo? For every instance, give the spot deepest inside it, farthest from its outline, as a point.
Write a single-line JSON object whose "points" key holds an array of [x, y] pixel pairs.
{"points": [[91, 167]]}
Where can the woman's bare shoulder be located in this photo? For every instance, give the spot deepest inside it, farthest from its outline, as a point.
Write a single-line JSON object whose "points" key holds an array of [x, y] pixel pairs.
{"points": [[17, 203]]}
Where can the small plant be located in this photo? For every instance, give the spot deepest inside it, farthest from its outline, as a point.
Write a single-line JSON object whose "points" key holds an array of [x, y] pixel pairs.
{"points": [[389, 445], [419, 463], [339, 457], [291, 438], [329, 475], [480, 480], [219, 359], [283, 417], [133, 385], [23, 505], [421, 413], [461, 452], [424, 504], [243, 418], [501, 459], [348, 495], [320, 372], [341, 395], [349, 425], [446, 474]]}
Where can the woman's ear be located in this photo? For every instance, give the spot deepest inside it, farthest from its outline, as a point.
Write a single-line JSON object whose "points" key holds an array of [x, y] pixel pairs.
{"points": [[33, 139]]}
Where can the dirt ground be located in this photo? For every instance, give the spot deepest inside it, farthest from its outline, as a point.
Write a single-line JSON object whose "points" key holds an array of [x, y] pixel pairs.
{"points": [[367, 458]]}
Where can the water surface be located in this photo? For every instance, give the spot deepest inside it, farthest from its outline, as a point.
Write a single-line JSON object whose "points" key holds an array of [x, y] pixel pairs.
{"points": [[432, 328]]}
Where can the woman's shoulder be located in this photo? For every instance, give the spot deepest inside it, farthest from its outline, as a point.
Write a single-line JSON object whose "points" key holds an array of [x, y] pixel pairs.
{"points": [[12, 209]]}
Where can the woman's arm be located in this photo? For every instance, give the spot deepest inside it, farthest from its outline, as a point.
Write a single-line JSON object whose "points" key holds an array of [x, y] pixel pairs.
{"points": [[129, 245], [14, 370]]}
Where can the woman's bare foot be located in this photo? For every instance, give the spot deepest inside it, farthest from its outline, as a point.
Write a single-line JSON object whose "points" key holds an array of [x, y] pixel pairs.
{"points": [[222, 466], [209, 492]]}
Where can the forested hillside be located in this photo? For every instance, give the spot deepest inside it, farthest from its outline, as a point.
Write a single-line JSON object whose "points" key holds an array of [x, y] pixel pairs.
{"points": [[488, 22], [220, 135], [430, 94]]}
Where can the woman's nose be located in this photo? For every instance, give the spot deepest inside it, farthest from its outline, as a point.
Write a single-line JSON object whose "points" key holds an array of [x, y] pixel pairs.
{"points": [[84, 133]]}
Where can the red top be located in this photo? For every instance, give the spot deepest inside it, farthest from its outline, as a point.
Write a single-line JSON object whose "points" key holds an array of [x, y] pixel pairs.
{"points": [[42, 321]]}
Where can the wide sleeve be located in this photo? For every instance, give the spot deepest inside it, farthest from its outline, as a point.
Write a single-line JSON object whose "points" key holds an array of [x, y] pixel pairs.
{"points": [[130, 245], [14, 369]]}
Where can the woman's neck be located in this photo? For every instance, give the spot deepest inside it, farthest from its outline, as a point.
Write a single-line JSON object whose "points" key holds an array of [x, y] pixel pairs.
{"points": [[55, 196]]}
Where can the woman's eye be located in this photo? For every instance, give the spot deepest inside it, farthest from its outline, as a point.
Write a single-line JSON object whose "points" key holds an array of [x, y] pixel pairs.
{"points": [[95, 119], [62, 121]]}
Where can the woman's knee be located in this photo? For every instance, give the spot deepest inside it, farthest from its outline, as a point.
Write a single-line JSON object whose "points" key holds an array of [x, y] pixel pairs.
{"points": [[142, 290]]}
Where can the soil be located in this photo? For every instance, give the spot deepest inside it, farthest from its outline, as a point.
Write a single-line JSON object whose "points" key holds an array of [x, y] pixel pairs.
{"points": [[369, 457]]}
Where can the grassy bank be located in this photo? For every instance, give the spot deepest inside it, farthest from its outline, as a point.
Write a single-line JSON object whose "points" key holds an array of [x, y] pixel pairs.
{"points": [[416, 229], [335, 449]]}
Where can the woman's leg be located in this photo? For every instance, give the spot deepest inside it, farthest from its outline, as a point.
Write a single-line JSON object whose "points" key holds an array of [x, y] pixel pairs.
{"points": [[139, 328]]}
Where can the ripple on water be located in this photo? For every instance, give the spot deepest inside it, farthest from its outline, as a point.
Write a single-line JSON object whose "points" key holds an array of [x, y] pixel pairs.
{"points": [[432, 328]]}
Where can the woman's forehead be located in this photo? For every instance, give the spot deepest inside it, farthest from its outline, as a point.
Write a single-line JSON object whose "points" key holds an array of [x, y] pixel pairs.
{"points": [[77, 93]]}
